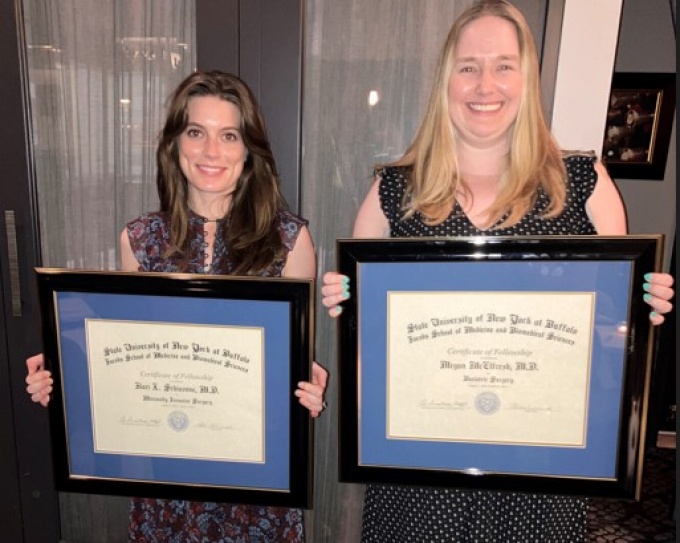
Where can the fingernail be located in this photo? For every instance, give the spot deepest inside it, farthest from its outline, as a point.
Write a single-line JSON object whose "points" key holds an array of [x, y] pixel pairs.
{"points": [[647, 297], [648, 277], [647, 287], [653, 314], [345, 280], [338, 309], [345, 293]]}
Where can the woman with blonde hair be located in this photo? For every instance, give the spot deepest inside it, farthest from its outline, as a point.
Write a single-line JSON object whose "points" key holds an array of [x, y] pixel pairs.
{"points": [[483, 162]]}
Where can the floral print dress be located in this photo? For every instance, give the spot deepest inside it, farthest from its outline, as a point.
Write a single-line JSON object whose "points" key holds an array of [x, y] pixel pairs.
{"points": [[181, 521]]}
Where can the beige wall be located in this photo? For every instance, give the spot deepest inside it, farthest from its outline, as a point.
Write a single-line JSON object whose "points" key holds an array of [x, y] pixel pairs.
{"points": [[585, 63], [589, 54]]}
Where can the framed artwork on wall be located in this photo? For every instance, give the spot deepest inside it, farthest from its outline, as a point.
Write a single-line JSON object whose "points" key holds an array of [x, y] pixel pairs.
{"points": [[639, 122]]}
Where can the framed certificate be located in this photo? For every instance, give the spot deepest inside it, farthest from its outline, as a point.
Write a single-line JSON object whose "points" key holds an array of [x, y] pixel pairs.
{"points": [[179, 385], [509, 363]]}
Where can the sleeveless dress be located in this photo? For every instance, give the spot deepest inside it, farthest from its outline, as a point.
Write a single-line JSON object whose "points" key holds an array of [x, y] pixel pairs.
{"points": [[402, 514], [180, 521]]}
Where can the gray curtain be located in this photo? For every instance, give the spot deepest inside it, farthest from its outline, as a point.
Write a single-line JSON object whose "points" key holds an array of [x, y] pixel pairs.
{"points": [[99, 73], [368, 70]]}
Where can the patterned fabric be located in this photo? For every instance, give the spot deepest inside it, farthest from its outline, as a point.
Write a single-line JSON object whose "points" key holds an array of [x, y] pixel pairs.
{"points": [[178, 521], [149, 237], [573, 221], [175, 521], [398, 514]]}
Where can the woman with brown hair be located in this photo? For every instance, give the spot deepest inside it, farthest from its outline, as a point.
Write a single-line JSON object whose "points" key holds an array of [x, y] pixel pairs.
{"points": [[221, 213]]}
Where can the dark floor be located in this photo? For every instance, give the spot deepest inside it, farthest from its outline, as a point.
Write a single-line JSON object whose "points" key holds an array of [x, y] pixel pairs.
{"points": [[652, 519]]}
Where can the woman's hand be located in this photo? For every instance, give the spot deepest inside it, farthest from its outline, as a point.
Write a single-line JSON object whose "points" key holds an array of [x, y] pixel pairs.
{"points": [[335, 290], [658, 292], [311, 394], [39, 380]]}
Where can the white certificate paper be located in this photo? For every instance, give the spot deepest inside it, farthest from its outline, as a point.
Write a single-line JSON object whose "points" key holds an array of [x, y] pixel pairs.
{"points": [[493, 367], [177, 390]]}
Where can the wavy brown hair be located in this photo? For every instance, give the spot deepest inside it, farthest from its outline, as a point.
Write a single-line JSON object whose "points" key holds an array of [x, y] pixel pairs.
{"points": [[251, 232], [534, 161]]}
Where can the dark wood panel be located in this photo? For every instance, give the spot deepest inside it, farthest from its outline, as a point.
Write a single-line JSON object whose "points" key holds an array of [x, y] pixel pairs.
{"points": [[271, 63], [89, 518], [37, 503], [10, 504], [217, 35], [662, 418], [261, 42]]}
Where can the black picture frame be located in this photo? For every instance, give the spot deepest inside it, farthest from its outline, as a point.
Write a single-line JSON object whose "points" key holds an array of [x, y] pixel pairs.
{"points": [[383, 374], [640, 115], [179, 386]]}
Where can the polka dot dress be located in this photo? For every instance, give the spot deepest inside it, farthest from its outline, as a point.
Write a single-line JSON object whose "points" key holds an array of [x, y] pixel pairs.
{"points": [[573, 220], [396, 514], [399, 514]]}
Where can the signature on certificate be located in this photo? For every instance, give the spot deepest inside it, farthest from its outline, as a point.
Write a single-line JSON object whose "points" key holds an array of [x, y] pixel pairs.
{"points": [[214, 426], [441, 404], [128, 420]]}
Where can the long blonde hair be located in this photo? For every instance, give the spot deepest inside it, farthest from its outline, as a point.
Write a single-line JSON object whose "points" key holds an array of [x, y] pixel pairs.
{"points": [[534, 160]]}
